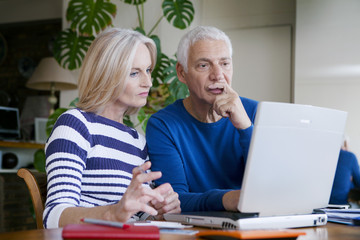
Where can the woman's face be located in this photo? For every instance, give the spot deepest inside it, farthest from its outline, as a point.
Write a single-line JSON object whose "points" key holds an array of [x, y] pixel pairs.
{"points": [[139, 82]]}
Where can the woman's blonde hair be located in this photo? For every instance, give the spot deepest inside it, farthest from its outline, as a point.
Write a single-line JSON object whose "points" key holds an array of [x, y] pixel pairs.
{"points": [[107, 65]]}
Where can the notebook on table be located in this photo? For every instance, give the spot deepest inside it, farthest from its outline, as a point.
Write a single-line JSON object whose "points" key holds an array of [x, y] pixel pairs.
{"points": [[289, 171], [93, 231]]}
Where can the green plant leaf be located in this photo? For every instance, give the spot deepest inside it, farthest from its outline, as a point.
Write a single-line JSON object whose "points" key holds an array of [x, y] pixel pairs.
{"points": [[144, 124], [159, 74], [170, 71], [143, 118], [140, 30], [52, 119], [74, 102], [178, 12], [128, 122], [89, 16], [70, 49], [39, 160], [156, 39], [177, 89], [134, 2]]}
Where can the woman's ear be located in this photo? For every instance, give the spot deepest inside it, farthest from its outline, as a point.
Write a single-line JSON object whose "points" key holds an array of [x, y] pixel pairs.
{"points": [[180, 73]]}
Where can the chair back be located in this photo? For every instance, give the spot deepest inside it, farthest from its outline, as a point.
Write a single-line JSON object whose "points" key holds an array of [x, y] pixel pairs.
{"points": [[37, 185]]}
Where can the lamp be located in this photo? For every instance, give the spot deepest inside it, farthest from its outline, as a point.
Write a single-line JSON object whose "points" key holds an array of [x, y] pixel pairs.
{"points": [[49, 75]]}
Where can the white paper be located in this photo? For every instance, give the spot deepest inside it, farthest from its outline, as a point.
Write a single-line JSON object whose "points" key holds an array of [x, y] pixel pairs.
{"points": [[161, 224]]}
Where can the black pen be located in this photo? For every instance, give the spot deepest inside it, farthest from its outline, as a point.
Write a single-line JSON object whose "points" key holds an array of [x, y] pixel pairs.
{"points": [[105, 223]]}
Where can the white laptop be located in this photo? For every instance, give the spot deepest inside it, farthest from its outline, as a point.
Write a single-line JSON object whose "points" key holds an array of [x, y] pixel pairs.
{"points": [[289, 171]]}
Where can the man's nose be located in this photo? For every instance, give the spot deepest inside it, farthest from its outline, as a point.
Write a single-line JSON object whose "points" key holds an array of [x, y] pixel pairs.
{"points": [[217, 73]]}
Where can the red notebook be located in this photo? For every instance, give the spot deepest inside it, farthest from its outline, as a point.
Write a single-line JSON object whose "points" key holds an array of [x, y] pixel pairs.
{"points": [[92, 231]]}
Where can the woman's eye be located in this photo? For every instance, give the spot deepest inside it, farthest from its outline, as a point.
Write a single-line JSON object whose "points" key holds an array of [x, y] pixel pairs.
{"points": [[149, 70], [134, 74]]}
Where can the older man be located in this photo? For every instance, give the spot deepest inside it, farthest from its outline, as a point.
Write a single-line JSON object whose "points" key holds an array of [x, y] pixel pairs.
{"points": [[200, 143]]}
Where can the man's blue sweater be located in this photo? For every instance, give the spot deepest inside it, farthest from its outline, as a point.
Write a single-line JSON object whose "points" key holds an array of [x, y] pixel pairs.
{"points": [[202, 161], [347, 176]]}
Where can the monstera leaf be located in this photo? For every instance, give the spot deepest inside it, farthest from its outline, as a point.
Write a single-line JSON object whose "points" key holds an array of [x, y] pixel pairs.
{"points": [[88, 16], [70, 49], [177, 89], [158, 73], [179, 12], [158, 46], [171, 72], [140, 30], [143, 118]]}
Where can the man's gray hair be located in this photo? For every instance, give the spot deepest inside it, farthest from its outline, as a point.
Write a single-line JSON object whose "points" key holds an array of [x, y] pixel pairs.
{"points": [[196, 34]]}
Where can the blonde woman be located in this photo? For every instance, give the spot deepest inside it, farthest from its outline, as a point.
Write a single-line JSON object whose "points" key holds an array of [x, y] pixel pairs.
{"points": [[96, 165]]}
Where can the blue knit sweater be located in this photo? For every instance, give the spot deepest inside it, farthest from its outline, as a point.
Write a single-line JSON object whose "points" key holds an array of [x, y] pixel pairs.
{"points": [[202, 161], [89, 162], [347, 176]]}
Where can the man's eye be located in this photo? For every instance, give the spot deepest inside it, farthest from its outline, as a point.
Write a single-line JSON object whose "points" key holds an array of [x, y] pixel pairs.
{"points": [[202, 65], [226, 64], [134, 74]]}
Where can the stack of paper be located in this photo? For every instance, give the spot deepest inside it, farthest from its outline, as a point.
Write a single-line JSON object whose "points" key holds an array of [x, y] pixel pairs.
{"points": [[344, 216]]}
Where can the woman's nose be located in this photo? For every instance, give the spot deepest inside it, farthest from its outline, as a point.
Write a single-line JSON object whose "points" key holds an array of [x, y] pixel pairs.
{"points": [[146, 81]]}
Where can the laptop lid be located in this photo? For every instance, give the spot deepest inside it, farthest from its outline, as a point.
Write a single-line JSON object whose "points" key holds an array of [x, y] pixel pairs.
{"points": [[292, 159], [9, 123], [289, 171]]}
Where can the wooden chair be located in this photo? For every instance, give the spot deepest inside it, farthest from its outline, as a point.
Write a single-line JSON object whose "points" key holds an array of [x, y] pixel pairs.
{"points": [[36, 183]]}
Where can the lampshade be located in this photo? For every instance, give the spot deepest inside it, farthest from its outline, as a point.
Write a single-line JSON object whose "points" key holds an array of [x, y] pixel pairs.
{"points": [[50, 74]]}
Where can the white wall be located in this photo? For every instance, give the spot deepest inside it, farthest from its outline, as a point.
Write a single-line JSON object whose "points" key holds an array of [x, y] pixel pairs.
{"points": [[262, 63], [327, 59]]}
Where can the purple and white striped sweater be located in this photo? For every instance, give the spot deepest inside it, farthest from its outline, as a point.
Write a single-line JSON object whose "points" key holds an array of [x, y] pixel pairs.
{"points": [[89, 162]]}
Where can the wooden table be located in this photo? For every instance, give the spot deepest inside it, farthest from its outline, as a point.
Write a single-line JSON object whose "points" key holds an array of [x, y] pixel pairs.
{"points": [[331, 232]]}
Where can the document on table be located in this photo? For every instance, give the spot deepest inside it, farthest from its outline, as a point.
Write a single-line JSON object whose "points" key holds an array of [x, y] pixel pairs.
{"points": [[169, 227], [344, 216], [161, 224]]}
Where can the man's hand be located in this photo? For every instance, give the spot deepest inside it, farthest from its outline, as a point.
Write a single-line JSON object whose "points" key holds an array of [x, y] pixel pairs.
{"points": [[228, 104], [230, 200], [137, 197], [171, 203]]}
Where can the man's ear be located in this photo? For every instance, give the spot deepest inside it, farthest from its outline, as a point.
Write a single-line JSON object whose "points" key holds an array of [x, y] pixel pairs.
{"points": [[180, 73]]}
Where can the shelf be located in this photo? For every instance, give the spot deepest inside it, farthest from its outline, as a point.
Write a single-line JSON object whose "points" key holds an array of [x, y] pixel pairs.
{"points": [[17, 144]]}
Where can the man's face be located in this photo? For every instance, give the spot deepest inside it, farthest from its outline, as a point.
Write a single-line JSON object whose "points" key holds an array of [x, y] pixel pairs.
{"points": [[209, 69]]}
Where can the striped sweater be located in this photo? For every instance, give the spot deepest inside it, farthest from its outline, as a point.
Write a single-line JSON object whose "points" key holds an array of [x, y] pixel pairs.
{"points": [[89, 162]]}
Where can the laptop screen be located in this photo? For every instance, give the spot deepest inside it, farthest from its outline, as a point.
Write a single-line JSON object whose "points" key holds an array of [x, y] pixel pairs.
{"points": [[9, 123], [292, 159]]}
